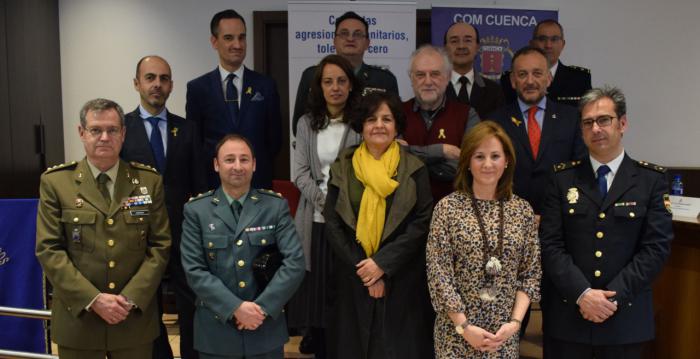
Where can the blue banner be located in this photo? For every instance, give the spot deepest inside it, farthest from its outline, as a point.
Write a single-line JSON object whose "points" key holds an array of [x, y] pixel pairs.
{"points": [[502, 32], [21, 277]]}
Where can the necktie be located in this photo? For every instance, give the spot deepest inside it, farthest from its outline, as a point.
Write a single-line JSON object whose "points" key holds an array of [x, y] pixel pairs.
{"points": [[232, 98], [463, 95], [236, 209], [157, 144], [533, 131], [102, 180], [602, 182]]}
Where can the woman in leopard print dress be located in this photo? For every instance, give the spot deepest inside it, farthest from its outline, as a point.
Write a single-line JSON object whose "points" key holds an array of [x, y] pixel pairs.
{"points": [[483, 255]]}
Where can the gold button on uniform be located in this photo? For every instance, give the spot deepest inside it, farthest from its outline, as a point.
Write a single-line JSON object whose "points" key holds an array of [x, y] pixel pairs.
{"points": [[601, 215], [241, 284], [571, 211], [599, 235], [239, 242], [598, 254], [263, 241], [632, 214], [75, 219], [140, 219], [110, 242], [112, 285], [110, 221], [211, 245], [241, 263], [597, 273], [112, 264]]}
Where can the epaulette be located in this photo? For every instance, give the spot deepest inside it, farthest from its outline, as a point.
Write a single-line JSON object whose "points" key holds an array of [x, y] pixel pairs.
{"points": [[201, 195], [61, 166], [652, 166], [579, 68], [142, 166], [270, 193], [566, 165]]}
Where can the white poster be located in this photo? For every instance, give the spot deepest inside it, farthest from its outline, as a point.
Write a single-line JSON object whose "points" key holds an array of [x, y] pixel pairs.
{"points": [[392, 33]]}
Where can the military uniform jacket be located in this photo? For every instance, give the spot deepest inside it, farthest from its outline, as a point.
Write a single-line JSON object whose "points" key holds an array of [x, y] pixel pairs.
{"points": [[217, 254], [618, 244], [567, 87], [87, 247], [370, 78]]}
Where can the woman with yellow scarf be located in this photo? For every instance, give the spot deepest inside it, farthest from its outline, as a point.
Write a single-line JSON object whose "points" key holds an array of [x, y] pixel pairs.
{"points": [[377, 215]]}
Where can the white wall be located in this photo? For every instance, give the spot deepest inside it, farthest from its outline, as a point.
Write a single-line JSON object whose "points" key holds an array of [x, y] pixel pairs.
{"points": [[645, 47]]}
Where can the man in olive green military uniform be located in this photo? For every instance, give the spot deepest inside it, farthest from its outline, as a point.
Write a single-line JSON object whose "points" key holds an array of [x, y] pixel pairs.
{"points": [[223, 232], [351, 41], [103, 241]]}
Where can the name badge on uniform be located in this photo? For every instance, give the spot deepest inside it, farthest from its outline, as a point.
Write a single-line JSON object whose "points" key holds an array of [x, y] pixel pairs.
{"points": [[625, 204], [261, 228], [139, 212]]}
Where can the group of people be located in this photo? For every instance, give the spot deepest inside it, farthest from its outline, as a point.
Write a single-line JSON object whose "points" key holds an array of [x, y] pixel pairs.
{"points": [[424, 228]]}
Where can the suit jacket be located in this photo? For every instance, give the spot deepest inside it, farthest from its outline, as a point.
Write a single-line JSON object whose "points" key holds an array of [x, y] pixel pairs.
{"points": [[87, 247], [567, 87], [259, 120], [560, 141], [217, 253], [619, 243], [485, 98], [184, 175], [370, 77]]}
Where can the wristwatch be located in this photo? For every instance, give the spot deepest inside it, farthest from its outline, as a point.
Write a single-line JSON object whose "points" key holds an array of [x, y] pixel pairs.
{"points": [[460, 328]]}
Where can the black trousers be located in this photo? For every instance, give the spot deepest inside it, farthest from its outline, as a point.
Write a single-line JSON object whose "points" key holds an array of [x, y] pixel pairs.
{"points": [[563, 349]]}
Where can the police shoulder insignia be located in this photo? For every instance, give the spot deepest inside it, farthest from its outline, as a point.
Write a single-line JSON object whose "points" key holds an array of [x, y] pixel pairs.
{"points": [[566, 165], [201, 195], [652, 166], [61, 166], [270, 193], [579, 68], [142, 166]]}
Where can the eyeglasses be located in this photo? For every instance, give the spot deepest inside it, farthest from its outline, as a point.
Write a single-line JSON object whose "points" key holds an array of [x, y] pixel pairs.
{"points": [[347, 35], [97, 132], [601, 121], [544, 38]]}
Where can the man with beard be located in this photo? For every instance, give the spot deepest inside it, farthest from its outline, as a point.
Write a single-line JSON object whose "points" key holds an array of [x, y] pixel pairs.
{"points": [[569, 83], [466, 85], [543, 132], [435, 124], [170, 144]]}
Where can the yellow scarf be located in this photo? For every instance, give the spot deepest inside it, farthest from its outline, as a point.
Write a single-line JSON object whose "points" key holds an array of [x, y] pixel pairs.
{"points": [[376, 176]]}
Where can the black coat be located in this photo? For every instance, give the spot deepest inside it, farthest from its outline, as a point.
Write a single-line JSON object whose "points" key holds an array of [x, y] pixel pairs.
{"points": [[485, 98], [618, 244], [567, 87], [560, 141], [184, 169], [408, 316]]}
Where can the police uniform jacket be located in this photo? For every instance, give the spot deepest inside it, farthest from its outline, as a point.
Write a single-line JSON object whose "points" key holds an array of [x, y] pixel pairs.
{"points": [[567, 87], [217, 253], [619, 243], [370, 77], [87, 247]]}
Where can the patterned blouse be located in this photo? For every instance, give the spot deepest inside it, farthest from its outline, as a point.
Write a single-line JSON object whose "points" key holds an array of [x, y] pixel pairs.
{"points": [[455, 264]]}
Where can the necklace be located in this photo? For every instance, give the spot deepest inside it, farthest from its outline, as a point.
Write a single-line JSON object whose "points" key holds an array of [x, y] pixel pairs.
{"points": [[492, 265]]}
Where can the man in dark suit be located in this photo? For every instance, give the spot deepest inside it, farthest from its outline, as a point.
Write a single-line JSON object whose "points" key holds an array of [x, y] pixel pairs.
{"points": [[466, 85], [606, 232], [170, 144], [543, 132], [569, 82], [235, 99], [351, 41]]}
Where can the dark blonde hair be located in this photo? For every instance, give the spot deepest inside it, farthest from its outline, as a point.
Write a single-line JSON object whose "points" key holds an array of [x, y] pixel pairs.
{"points": [[471, 141]]}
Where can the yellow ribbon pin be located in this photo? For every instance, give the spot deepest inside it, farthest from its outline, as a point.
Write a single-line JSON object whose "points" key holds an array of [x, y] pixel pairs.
{"points": [[249, 90], [442, 133], [174, 131], [516, 121]]}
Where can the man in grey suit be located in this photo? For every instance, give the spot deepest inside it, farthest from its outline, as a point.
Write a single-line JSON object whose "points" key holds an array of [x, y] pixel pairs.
{"points": [[223, 233]]}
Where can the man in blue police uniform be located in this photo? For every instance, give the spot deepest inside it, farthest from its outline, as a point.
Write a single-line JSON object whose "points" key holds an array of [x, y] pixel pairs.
{"points": [[606, 232], [223, 232], [569, 83], [351, 41]]}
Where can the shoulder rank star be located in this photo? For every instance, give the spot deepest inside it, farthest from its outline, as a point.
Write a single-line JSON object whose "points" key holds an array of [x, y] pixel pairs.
{"points": [[572, 195], [174, 131], [516, 121]]}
